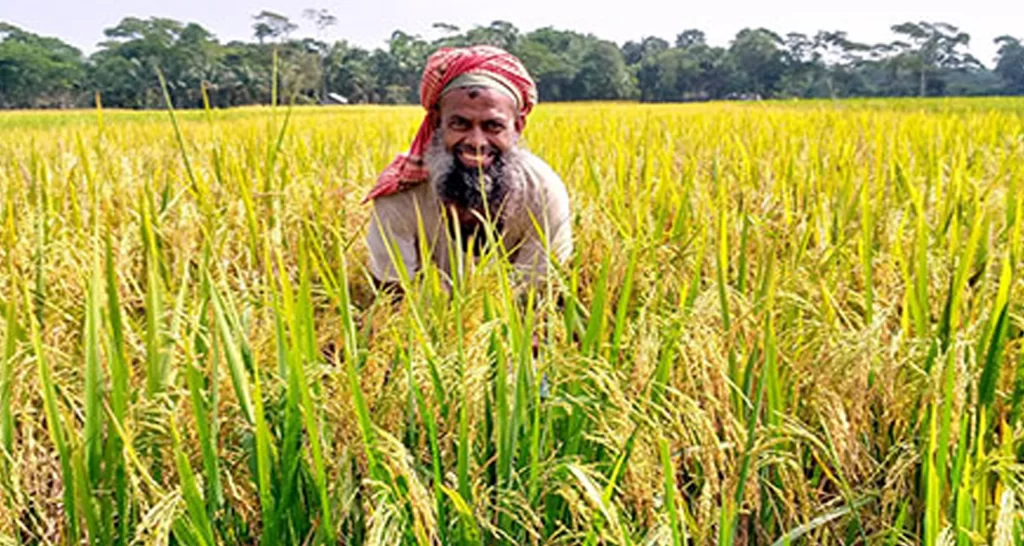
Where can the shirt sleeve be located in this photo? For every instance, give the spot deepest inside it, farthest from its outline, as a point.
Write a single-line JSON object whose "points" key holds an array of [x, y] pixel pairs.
{"points": [[549, 234], [391, 240]]}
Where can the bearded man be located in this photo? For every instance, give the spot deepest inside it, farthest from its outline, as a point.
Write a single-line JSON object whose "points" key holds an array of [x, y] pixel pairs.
{"points": [[466, 172]]}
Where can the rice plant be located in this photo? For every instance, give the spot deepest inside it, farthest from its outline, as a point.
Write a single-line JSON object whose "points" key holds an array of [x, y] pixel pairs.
{"points": [[784, 323]]}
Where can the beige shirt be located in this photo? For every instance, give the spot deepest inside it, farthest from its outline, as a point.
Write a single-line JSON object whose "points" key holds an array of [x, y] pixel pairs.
{"points": [[535, 219]]}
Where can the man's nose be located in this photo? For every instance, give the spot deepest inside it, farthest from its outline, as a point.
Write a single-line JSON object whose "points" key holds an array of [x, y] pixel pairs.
{"points": [[476, 139]]}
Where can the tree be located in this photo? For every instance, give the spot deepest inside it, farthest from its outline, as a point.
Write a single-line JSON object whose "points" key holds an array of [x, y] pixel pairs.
{"points": [[603, 75], [839, 57], [323, 20], [568, 65], [643, 57], [37, 71], [1010, 64], [246, 75], [667, 76], [447, 28], [199, 55], [635, 52], [406, 56], [632, 53], [690, 38], [552, 72], [803, 66], [694, 72], [127, 63], [351, 73], [928, 58], [935, 46], [499, 34], [759, 60], [270, 25]]}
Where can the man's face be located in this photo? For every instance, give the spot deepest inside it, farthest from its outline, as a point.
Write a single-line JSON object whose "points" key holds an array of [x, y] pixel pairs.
{"points": [[478, 125]]}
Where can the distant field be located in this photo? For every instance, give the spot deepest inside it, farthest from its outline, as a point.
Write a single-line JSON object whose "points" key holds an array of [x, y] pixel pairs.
{"points": [[785, 322]]}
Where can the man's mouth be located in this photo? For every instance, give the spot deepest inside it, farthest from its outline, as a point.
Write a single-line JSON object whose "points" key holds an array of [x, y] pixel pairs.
{"points": [[474, 158]]}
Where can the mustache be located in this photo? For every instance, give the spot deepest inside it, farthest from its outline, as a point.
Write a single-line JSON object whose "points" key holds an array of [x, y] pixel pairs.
{"points": [[470, 187], [483, 151]]}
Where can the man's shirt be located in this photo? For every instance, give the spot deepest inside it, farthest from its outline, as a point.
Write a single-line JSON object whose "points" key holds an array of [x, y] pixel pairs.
{"points": [[535, 210]]}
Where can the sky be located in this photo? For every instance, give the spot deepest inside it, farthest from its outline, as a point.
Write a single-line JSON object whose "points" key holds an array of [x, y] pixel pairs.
{"points": [[368, 23]]}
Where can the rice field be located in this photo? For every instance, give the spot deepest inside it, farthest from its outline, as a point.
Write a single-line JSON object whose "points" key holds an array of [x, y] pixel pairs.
{"points": [[784, 323]]}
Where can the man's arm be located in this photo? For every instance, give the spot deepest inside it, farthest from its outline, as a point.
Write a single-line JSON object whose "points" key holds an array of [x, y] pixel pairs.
{"points": [[549, 234], [391, 242]]}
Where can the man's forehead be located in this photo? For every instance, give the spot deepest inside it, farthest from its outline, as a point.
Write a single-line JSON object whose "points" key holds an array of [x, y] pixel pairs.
{"points": [[477, 100]]}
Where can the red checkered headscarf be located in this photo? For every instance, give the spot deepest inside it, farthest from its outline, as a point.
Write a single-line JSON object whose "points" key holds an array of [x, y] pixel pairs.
{"points": [[442, 67]]}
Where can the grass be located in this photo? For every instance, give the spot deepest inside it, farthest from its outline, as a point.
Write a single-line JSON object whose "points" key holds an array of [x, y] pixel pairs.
{"points": [[784, 323]]}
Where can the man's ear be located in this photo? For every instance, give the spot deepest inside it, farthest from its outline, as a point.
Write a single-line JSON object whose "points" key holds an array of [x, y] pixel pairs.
{"points": [[520, 123]]}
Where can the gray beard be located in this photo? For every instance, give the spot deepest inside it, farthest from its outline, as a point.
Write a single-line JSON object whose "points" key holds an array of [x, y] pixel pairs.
{"points": [[470, 189]]}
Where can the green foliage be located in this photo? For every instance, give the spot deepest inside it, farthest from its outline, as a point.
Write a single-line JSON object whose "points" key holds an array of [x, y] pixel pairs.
{"points": [[567, 65], [36, 71], [1010, 66]]}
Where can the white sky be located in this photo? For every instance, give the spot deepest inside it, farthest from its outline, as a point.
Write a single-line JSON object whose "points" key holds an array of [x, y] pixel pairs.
{"points": [[368, 23]]}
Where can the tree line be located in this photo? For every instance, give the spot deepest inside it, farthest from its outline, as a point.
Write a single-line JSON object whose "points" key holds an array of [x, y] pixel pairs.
{"points": [[927, 59]]}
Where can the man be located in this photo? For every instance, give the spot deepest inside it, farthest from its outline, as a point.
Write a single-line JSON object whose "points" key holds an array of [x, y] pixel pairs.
{"points": [[466, 172]]}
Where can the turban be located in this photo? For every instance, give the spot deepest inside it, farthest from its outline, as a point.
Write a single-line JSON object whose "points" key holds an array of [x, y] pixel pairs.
{"points": [[447, 69]]}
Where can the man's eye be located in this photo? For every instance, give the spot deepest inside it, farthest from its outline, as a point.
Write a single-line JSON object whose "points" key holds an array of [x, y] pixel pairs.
{"points": [[458, 124], [494, 126]]}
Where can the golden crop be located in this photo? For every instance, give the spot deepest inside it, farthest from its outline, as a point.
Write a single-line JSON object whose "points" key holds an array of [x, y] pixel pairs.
{"points": [[796, 322]]}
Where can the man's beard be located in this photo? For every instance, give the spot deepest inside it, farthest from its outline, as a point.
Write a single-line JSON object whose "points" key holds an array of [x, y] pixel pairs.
{"points": [[470, 188]]}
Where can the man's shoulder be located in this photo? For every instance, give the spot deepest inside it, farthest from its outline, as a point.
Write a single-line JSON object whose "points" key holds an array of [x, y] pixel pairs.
{"points": [[543, 177], [415, 194], [539, 168], [546, 190]]}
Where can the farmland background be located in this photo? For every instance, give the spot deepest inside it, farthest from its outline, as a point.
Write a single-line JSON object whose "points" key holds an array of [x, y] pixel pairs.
{"points": [[783, 322]]}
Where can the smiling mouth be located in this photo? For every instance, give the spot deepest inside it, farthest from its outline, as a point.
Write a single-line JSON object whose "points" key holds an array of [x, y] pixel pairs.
{"points": [[472, 158]]}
